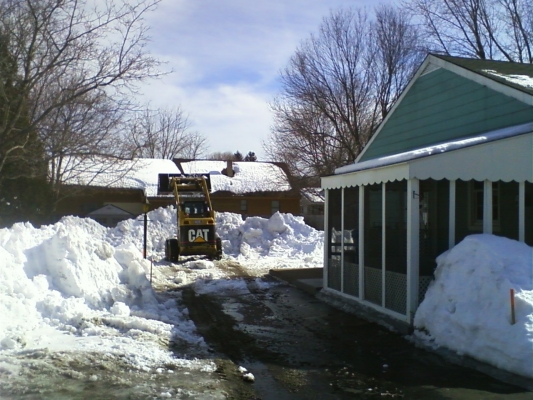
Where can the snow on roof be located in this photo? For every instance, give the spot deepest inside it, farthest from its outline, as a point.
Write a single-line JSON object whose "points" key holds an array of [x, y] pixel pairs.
{"points": [[512, 74], [141, 173], [520, 80], [437, 148], [249, 176], [313, 194]]}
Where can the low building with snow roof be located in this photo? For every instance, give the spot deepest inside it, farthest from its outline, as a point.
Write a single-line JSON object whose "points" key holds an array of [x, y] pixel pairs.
{"points": [[454, 157], [249, 188], [111, 190]]}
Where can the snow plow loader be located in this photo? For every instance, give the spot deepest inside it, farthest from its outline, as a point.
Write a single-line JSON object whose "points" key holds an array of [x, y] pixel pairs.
{"points": [[196, 228]]}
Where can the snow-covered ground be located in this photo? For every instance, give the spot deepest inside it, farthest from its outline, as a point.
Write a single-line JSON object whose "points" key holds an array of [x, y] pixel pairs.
{"points": [[78, 287]]}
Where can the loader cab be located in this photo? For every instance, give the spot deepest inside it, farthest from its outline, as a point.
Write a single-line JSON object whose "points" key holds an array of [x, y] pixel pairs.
{"points": [[195, 208]]}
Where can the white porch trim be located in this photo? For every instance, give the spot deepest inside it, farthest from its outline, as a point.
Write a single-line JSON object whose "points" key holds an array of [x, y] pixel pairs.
{"points": [[342, 240], [383, 243], [485, 161], [326, 238], [413, 239], [487, 206], [374, 306], [451, 216], [522, 211], [361, 243]]}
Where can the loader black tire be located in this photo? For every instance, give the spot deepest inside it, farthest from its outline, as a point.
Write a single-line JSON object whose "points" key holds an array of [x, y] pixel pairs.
{"points": [[218, 242], [172, 250]]}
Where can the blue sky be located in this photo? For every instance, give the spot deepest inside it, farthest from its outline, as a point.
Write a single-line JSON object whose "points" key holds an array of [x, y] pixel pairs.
{"points": [[226, 56]]}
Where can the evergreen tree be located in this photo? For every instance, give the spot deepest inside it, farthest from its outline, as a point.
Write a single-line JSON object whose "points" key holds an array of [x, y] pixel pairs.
{"points": [[250, 156]]}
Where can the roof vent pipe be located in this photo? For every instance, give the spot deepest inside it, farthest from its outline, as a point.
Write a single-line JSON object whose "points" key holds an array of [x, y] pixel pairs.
{"points": [[229, 168]]}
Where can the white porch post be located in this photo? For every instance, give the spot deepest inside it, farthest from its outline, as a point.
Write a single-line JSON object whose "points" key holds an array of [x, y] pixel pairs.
{"points": [[342, 240], [487, 206], [326, 238], [451, 216], [522, 211], [383, 242], [413, 233], [361, 243]]}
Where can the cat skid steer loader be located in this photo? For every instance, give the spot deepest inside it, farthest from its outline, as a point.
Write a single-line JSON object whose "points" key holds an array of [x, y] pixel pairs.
{"points": [[196, 228]]}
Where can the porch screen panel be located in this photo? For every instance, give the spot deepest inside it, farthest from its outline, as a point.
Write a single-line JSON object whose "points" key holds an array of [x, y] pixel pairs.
{"points": [[434, 227], [373, 226], [335, 234], [434, 222], [505, 222], [469, 208], [351, 241], [396, 246], [463, 211], [529, 214]]}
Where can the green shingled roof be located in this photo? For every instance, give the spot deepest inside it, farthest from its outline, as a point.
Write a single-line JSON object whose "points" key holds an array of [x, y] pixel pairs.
{"points": [[515, 75], [443, 104]]}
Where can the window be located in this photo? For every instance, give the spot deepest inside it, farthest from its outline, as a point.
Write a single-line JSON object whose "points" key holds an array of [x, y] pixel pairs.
{"points": [[476, 190], [275, 206], [244, 205]]}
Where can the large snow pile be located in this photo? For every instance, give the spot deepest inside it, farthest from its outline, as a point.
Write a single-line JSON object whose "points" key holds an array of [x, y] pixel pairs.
{"points": [[467, 308], [280, 236], [281, 241], [65, 287], [78, 286]]}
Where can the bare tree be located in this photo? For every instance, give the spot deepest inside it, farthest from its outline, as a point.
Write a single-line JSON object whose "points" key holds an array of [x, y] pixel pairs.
{"points": [[60, 51], [298, 139], [61, 63], [396, 52], [484, 29], [197, 146], [328, 81], [338, 86], [165, 134], [77, 132]]}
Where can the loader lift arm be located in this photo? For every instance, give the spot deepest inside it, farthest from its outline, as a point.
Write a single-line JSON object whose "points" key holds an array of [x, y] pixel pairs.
{"points": [[196, 227]]}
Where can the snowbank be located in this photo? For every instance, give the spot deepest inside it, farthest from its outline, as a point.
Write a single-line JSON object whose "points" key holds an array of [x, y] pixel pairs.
{"points": [[280, 236], [281, 241], [65, 287], [467, 307], [78, 286]]}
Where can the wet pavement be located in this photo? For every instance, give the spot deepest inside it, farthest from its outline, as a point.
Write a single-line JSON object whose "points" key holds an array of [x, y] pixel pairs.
{"points": [[299, 347], [296, 345]]}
